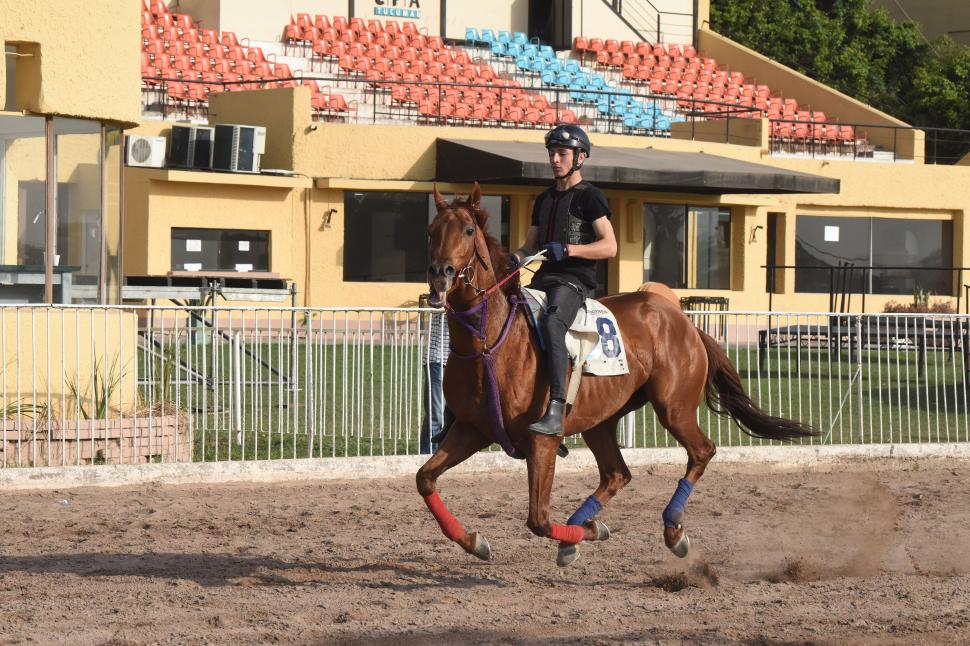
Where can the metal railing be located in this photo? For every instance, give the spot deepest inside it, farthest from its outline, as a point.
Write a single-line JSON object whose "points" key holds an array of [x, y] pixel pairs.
{"points": [[847, 279], [115, 385], [648, 21], [877, 142]]}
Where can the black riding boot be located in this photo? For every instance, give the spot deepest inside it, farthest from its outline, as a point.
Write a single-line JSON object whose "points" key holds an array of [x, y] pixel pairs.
{"points": [[551, 422]]}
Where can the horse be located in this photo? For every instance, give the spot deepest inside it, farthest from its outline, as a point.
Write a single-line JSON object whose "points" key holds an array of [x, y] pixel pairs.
{"points": [[496, 385]]}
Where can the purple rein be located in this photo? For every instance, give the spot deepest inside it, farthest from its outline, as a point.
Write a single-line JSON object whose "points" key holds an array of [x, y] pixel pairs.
{"points": [[466, 318]]}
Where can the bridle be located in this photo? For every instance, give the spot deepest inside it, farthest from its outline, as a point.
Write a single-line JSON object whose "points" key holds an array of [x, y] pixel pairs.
{"points": [[467, 274]]}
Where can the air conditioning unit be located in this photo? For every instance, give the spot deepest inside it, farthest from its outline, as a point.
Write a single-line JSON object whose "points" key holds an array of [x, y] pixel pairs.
{"points": [[191, 147], [145, 151], [238, 148]]}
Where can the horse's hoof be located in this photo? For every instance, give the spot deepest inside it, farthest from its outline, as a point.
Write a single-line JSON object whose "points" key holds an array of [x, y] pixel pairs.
{"points": [[602, 531], [481, 548], [567, 555], [682, 547]]}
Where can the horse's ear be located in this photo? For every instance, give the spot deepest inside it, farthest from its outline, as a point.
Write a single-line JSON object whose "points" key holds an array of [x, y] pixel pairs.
{"points": [[475, 199], [475, 202], [439, 200]]}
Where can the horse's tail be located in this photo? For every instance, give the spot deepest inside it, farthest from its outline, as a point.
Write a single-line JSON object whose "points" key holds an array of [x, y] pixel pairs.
{"points": [[725, 395]]}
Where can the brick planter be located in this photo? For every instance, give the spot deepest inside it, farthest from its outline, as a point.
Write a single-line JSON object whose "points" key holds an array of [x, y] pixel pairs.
{"points": [[168, 438]]}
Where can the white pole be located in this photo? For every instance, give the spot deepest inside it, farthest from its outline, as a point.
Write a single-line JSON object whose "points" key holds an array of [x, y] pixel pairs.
{"points": [[628, 430], [237, 391]]}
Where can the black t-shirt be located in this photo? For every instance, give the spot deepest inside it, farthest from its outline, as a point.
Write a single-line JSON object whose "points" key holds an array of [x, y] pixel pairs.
{"points": [[588, 204]]}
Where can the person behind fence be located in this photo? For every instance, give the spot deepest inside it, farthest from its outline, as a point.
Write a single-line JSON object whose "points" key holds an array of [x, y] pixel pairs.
{"points": [[433, 364], [571, 223]]}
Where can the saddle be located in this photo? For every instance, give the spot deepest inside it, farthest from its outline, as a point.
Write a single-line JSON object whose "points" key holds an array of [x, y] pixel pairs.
{"points": [[593, 340]]}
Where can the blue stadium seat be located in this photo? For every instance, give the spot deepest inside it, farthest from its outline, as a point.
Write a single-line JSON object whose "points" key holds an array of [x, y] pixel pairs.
{"points": [[489, 36], [520, 38], [530, 50], [504, 37], [513, 49], [547, 52], [563, 79], [524, 64], [471, 34]]}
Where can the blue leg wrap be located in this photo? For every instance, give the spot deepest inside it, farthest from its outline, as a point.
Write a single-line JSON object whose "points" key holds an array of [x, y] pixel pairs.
{"points": [[590, 507], [675, 508]]}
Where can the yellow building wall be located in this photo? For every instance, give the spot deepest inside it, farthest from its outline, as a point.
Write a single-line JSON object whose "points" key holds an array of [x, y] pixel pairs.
{"points": [[46, 351], [86, 63], [156, 201]]}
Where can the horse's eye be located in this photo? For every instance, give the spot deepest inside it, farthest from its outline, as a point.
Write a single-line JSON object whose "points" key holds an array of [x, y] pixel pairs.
{"points": [[469, 231]]}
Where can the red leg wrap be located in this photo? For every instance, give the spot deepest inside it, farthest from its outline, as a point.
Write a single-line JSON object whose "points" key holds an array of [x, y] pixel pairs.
{"points": [[570, 534], [449, 524]]}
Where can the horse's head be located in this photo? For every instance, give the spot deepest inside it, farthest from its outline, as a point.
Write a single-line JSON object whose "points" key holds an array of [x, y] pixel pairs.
{"points": [[458, 247]]}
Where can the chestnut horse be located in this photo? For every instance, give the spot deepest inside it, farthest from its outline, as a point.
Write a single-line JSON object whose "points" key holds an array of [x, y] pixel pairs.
{"points": [[495, 383]]}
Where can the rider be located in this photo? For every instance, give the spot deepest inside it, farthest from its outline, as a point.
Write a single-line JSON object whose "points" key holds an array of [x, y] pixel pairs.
{"points": [[571, 223]]}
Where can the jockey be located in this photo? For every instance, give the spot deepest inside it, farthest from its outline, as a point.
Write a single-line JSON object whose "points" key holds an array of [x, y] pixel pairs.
{"points": [[571, 223]]}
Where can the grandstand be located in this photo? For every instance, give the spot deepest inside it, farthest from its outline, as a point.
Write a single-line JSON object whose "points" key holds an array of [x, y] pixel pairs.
{"points": [[385, 71]]}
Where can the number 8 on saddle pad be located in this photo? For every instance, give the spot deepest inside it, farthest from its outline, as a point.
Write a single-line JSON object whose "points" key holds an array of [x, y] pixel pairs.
{"points": [[594, 341]]}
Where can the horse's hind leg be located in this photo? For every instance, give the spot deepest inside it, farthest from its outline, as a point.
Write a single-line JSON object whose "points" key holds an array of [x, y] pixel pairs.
{"points": [[460, 443], [614, 475], [681, 421]]}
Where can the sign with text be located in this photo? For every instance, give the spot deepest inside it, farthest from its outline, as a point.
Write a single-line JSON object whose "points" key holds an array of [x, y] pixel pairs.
{"points": [[426, 14]]}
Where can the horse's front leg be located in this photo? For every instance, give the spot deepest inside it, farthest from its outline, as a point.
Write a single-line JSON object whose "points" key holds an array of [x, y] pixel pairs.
{"points": [[541, 465], [461, 442], [614, 475]]}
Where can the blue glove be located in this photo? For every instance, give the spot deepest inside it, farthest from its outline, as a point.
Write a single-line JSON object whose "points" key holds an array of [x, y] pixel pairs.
{"points": [[554, 251]]}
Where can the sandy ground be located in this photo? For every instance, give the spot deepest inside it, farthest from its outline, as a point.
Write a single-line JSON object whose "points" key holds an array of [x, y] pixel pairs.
{"points": [[872, 553]]}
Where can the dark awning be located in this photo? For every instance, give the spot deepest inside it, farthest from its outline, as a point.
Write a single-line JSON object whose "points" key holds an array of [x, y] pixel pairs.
{"points": [[646, 169]]}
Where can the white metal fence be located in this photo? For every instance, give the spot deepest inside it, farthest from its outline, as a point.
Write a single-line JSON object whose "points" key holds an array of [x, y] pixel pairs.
{"points": [[88, 385]]}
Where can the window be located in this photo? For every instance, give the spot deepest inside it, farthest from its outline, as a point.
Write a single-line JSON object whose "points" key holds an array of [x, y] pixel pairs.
{"points": [[771, 256], [78, 236], [386, 235], [687, 246], [220, 250], [80, 240], [898, 251]]}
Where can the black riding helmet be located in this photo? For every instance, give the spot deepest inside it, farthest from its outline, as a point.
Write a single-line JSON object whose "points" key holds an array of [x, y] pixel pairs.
{"points": [[569, 136]]}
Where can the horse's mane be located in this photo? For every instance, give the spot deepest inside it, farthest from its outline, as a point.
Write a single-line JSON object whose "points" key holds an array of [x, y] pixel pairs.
{"points": [[498, 256]]}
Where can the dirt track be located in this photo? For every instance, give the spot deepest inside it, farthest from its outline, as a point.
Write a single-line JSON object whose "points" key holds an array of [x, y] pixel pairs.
{"points": [[875, 554]]}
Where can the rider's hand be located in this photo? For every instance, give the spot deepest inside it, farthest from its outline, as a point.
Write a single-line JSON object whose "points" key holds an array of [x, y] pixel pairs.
{"points": [[514, 262], [555, 251]]}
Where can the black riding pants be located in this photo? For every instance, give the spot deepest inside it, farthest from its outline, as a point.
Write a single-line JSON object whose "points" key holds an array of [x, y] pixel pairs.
{"points": [[564, 297]]}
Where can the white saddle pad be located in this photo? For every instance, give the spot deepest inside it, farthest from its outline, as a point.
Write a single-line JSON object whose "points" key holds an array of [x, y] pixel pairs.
{"points": [[594, 341]]}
